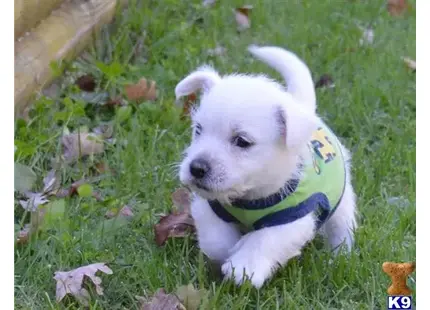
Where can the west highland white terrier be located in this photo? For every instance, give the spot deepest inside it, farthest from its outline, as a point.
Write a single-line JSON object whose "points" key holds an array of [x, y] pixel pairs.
{"points": [[266, 172]]}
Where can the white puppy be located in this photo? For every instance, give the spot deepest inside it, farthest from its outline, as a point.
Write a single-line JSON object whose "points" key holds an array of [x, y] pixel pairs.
{"points": [[267, 173]]}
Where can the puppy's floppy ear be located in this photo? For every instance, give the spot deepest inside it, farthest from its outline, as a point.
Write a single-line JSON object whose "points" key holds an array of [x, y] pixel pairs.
{"points": [[203, 78], [297, 124]]}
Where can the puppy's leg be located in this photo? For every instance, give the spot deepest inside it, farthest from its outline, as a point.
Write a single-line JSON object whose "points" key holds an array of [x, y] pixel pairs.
{"points": [[259, 253], [215, 236], [339, 229]]}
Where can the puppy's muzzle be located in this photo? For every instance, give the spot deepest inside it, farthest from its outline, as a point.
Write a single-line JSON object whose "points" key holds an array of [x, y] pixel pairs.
{"points": [[199, 168]]}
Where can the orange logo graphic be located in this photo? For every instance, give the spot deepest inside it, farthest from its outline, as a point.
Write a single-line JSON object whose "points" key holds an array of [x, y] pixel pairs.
{"points": [[398, 273]]}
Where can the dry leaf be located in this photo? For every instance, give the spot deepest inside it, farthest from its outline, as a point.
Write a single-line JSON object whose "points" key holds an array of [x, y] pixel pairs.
{"points": [[51, 185], [410, 63], [190, 297], [52, 182], [396, 7], [182, 200], [325, 81], [143, 89], [83, 144], [173, 225], [162, 301], [71, 282], [86, 82], [242, 17], [34, 201]]}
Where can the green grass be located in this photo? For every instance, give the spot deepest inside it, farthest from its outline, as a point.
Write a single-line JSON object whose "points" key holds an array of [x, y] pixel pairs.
{"points": [[372, 109]]}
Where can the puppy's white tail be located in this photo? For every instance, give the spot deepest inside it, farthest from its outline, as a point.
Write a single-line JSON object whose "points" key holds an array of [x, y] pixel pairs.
{"points": [[295, 72]]}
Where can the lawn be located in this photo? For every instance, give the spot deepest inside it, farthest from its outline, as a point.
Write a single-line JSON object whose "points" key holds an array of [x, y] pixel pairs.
{"points": [[371, 108]]}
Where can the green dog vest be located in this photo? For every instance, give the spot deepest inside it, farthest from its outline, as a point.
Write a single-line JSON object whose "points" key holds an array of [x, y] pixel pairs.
{"points": [[319, 189]]}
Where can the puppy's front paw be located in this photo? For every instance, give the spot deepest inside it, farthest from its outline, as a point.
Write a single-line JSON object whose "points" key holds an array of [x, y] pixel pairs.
{"points": [[247, 264]]}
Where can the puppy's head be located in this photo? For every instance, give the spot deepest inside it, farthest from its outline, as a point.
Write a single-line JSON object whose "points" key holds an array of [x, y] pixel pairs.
{"points": [[248, 135]]}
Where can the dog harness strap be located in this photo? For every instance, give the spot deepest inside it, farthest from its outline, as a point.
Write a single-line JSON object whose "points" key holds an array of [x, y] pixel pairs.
{"points": [[267, 202], [221, 212], [319, 190], [317, 202]]}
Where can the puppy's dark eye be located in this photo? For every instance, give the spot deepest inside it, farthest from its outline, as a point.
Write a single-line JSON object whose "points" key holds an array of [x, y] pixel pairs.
{"points": [[197, 129], [241, 142]]}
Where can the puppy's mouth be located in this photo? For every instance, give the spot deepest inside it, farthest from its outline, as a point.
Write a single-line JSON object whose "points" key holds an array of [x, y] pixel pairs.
{"points": [[212, 193], [201, 186], [202, 189]]}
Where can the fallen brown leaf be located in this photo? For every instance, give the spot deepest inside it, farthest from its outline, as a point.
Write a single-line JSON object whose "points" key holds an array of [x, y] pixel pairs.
{"points": [[34, 201], [396, 7], [182, 200], [144, 89], [52, 182], [81, 144], [162, 301], [71, 282], [325, 81], [173, 225], [410, 63], [86, 82], [242, 17]]}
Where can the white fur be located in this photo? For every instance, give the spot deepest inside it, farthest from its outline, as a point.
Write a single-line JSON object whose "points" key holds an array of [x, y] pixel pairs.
{"points": [[279, 123], [293, 70]]}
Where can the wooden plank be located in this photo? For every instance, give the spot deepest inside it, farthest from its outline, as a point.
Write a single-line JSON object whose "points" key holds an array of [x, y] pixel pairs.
{"points": [[64, 34], [29, 12]]}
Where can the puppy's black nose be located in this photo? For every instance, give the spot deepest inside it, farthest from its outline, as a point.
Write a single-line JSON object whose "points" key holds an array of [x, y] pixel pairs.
{"points": [[199, 168]]}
